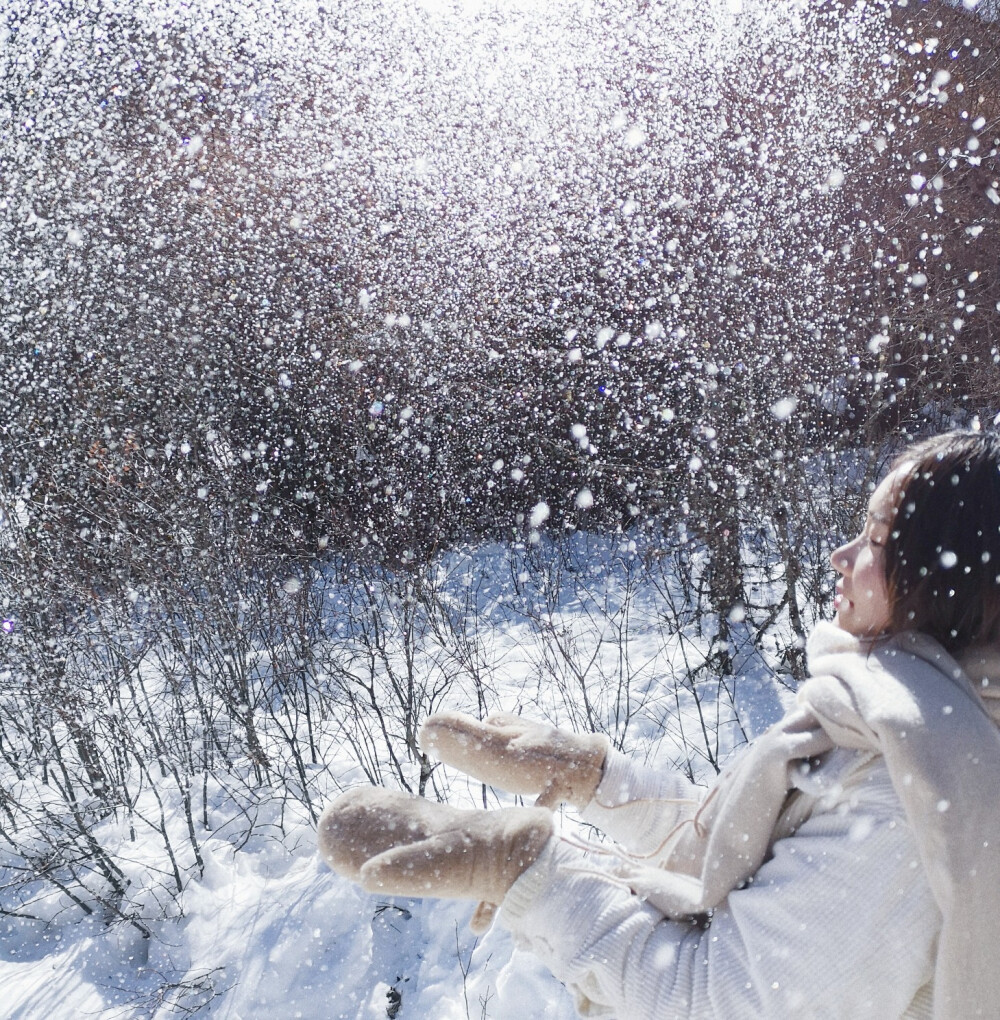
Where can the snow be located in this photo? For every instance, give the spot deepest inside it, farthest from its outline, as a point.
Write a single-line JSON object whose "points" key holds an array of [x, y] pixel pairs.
{"points": [[450, 178], [265, 929]]}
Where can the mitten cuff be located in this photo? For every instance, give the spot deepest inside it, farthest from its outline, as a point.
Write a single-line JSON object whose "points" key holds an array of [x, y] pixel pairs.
{"points": [[583, 776], [524, 894]]}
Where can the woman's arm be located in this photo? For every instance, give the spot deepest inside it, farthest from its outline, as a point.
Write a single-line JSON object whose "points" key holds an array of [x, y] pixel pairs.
{"points": [[839, 922], [638, 806]]}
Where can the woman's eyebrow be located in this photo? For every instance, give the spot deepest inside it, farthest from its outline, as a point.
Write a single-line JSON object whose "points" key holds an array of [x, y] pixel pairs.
{"points": [[879, 518]]}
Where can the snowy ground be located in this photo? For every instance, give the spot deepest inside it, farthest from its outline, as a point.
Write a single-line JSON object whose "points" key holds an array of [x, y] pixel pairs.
{"points": [[271, 934], [268, 931]]}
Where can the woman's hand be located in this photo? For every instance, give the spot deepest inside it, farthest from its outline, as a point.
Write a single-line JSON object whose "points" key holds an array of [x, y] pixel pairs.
{"points": [[519, 756], [408, 846]]}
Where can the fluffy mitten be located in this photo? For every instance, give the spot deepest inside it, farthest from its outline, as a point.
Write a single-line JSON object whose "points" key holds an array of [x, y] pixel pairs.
{"points": [[519, 756], [409, 846]]}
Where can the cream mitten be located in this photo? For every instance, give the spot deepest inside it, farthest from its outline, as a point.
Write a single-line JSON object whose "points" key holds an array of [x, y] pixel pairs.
{"points": [[409, 846], [519, 756]]}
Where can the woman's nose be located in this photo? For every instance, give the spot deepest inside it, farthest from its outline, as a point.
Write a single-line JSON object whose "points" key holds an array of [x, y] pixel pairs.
{"points": [[841, 558]]}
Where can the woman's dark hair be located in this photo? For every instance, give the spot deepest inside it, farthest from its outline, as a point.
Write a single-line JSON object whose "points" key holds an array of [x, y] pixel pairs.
{"points": [[943, 552]]}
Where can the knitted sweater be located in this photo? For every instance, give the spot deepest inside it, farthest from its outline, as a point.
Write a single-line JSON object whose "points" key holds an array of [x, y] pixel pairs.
{"points": [[839, 920]]}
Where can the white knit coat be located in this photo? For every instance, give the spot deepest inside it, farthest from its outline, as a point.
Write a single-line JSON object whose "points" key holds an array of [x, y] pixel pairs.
{"points": [[843, 916]]}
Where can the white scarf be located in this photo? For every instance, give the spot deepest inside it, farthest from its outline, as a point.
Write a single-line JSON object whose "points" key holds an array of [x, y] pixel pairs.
{"points": [[936, 725]]}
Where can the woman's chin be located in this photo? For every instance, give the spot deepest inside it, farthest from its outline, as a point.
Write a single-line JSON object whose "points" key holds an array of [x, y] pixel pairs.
{"points": [[850, 624]]}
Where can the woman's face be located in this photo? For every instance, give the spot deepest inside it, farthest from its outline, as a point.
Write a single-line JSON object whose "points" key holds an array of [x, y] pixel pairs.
{"points": [[862, 600]]}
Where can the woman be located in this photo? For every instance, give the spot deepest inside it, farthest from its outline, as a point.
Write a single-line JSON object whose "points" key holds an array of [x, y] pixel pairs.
{"points": [[847, 866]]}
